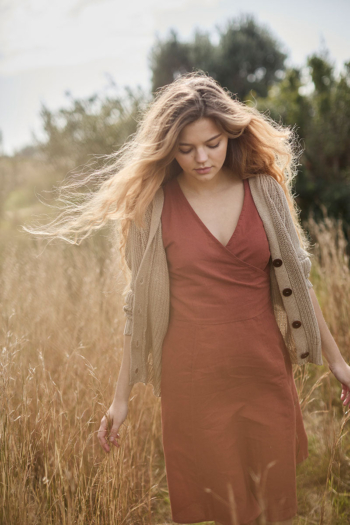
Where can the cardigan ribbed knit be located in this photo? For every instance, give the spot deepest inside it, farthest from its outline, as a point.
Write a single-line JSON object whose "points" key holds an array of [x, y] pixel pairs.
{"points": [[147, 302]]}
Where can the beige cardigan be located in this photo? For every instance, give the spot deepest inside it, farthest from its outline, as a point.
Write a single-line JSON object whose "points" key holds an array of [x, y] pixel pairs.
{"points": [[147, 302]]}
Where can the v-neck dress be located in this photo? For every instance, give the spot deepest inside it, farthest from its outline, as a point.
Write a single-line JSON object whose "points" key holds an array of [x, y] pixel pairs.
{"points": [[230, 409]]}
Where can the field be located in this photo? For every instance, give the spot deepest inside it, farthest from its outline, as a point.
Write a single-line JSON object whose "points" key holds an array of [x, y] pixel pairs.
{"points": [[61, 347]]}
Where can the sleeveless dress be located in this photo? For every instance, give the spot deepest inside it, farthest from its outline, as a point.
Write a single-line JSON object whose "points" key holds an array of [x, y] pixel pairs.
{"points": [[230, 409]]}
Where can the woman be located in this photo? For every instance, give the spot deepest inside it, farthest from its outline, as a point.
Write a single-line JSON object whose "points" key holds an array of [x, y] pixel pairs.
{"points": [[219, 305]]}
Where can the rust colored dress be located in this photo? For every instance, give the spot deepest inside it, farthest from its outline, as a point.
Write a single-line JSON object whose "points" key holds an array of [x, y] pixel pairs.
{"points": [[228, 399]]}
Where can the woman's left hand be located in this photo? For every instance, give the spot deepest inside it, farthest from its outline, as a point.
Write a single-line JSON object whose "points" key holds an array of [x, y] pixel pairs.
{"points": [[342, 372]]}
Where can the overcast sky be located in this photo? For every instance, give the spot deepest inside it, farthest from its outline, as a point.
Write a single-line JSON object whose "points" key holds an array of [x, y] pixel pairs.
{"points": [[48, 47]]}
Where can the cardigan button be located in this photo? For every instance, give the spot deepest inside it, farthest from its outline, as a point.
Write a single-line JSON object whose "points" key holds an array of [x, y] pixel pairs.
{"points": [[277, 262], [136, 370], [287, 292], [296, 324], [137, 343], [304, 355], [139, 310], [141, 280]]}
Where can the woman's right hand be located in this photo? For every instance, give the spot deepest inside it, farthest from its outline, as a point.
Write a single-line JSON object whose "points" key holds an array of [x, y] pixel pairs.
{"points": [[115, 416]]}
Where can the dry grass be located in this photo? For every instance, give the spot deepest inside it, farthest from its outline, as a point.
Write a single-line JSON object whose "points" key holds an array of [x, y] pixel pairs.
{"points": [[61, 348]]}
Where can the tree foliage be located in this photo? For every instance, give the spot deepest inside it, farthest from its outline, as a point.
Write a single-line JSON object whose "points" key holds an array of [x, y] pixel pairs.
{"points": [[96, 125], [322, 120], [247, 57]]}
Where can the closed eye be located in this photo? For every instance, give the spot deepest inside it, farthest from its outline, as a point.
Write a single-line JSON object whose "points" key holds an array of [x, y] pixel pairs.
{"points": [[211, 147]]}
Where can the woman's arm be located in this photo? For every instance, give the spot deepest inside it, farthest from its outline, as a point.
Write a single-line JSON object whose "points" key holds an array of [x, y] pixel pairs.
{"points": [[118, 411], [339, 368], [136, 243], [123, 389]]}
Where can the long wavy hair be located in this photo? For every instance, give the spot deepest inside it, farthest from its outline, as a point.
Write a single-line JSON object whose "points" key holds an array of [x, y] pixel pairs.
{"points": [[127, 183]]}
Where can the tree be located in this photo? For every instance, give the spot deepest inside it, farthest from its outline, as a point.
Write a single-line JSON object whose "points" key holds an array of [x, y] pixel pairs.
{"points": [[250, 58], [168, 59], [246, 58]]}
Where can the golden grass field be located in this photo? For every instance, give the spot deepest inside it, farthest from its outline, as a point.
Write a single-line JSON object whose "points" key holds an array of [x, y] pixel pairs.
{"points": [[61, 348]]}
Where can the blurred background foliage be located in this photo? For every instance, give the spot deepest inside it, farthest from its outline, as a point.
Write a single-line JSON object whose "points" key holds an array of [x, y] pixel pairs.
{"points": [[247, 60]]}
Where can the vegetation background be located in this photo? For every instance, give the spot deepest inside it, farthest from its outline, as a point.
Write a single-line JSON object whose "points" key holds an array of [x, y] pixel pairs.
{"points": [[61, 308]]}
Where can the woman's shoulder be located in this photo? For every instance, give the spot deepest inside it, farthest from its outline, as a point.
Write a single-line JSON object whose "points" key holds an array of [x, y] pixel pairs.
{"points": [[266, 182], [271, 188]]}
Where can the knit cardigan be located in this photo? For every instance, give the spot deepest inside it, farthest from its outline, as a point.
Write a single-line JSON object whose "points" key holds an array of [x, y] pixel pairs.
{"points": [[147, 301]]}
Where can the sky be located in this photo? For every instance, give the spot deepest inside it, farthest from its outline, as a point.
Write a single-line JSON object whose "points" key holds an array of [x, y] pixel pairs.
{"points": [[50, 47]]}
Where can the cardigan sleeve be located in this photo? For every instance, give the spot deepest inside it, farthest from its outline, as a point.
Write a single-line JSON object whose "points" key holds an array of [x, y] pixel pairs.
{"points": [[306, 266], [129, 298], [303, 256], [134, 249]]}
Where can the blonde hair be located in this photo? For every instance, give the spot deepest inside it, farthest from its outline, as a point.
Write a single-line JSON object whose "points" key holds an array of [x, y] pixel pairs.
{"points": [[128, 183]]}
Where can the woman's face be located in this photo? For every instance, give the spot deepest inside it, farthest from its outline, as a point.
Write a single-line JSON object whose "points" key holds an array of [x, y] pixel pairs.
{"points": [[201, 145]]}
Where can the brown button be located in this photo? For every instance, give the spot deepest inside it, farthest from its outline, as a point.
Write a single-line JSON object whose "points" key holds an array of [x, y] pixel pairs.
{"points": [[139, 310], [277, 262], [141, 280], [137, 343], [296, 324], [287, 292], [136, 370], [304, 355]]}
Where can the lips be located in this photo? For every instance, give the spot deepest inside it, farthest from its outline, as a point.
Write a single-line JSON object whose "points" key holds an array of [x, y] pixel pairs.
{"points": [[203, 170]]}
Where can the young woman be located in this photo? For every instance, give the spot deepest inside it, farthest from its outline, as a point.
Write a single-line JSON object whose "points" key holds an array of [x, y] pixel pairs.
{"points": [[219, 305]]}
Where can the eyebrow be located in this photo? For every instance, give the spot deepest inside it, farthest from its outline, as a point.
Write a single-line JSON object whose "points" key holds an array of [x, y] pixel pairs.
{"points": [[187, 144]]}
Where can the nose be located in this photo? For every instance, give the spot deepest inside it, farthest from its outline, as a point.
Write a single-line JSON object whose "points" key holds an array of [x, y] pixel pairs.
{"points": [[201, 156]]}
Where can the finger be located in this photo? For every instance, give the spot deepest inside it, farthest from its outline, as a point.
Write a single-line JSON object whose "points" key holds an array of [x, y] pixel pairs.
{"points": [[102, 434], [344, 391], [347, 398], [114, 434], [103, 443], [102, 431]]}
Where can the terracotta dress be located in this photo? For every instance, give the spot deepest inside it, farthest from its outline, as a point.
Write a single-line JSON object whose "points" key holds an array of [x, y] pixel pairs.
{"points": [[230, 409]]}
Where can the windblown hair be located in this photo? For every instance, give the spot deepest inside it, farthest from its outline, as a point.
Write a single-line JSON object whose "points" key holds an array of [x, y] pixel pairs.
{"points": [[128, 183]]}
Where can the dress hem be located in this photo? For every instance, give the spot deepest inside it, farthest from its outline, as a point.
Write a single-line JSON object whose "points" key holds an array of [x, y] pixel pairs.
{"points": [[283, 518]]}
